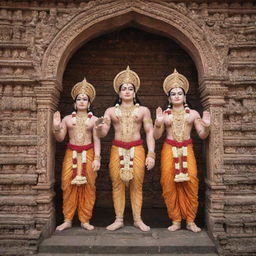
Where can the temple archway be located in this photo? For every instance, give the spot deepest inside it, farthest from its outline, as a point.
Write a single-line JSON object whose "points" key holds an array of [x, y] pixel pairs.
{"points": [[160, 20]]}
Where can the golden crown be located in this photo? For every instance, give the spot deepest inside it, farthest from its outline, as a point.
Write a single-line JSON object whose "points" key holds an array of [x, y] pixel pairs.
{"points": [[83, 87], [126, 76], [175, 80]]}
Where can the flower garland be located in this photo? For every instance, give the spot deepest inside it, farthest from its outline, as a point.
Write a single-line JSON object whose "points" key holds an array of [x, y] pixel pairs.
{"points": [[179, 151], [126, 156], [79, 179]]}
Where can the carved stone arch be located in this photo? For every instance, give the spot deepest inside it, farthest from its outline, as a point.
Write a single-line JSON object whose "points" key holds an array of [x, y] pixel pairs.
{"points": [[161, 19], [101, 17]]}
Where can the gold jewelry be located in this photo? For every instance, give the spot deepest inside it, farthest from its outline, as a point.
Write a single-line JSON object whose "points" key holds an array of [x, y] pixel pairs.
{"points": [[83, 87], [148, 121], [151, 154], [175, 80], [126, 76], [178, 123], [126, 116], [97, 157], [57, 130], [158, 126], [80, 131]]}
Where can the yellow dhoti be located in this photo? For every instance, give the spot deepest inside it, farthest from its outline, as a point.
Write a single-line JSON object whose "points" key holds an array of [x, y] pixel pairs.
{"points": [[80, 197], [118, 186], [180, 198]]}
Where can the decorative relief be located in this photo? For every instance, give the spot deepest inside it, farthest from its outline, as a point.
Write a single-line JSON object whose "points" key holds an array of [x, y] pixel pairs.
{"points": [[28, 150], [15, 189], [22, 127], [240, 110], [240, 189], [14, 169], [17, 209], [42, 139], [5, 32], [18, 109], [152, 9], [216, 128], [240, 150], [41, 30], [238, 169], [18, 103]]}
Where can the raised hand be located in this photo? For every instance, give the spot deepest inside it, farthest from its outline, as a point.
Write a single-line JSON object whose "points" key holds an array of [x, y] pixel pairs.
{"points": [[159, 116], [56, 120], [206, 118]]}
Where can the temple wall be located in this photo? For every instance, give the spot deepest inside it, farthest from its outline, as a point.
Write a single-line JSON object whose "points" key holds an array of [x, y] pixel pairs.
{"points": [[37, 41]]}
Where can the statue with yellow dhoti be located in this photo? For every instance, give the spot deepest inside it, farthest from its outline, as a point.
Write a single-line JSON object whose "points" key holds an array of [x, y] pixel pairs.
{"points": [[82, 157], [127, 159], [178, 164]]}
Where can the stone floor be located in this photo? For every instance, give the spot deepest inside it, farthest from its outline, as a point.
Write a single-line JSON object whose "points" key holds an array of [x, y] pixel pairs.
{"points": [[128, 240]]}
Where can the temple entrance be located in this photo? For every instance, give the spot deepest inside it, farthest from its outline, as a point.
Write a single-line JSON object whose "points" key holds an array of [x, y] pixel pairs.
{"points": [[153, 57]]}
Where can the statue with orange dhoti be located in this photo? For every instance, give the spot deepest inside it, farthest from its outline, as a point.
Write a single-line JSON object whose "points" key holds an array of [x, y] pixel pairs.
{"points": [[82, 157], [127, 159], [178, 164]]}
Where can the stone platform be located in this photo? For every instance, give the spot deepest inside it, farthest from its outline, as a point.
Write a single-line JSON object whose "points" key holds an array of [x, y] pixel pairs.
{"points": [[127, 241]]}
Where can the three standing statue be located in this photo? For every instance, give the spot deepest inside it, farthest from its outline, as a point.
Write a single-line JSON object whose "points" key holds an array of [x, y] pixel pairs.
{"points": [[128, 159]]}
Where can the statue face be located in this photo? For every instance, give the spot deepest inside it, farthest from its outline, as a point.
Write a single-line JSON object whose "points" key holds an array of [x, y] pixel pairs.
{"points": [[82, 102], [177, 96], [127, 91]]}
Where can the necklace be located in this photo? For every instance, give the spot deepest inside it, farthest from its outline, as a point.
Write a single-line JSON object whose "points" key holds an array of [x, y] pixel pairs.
{"points": [[179, 148], [80, 133], [126, 116], [178, 124]]}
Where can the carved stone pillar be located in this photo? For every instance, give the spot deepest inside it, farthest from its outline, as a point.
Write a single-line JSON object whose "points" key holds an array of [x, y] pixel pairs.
{"points": [[47, 100], [212, 97]]}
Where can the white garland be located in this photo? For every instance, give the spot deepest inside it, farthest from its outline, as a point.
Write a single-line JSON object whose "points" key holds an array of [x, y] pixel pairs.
{"points": [[79, 179]]}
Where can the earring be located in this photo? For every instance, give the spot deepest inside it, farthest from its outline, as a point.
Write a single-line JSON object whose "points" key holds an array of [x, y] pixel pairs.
{"points": [[185, 103], [119, 100], [134, 100], [75, 106]]}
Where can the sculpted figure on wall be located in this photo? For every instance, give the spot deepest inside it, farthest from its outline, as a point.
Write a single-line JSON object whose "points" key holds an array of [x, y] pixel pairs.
{"points": [[127, 159], [82, 158], [178, 164]]}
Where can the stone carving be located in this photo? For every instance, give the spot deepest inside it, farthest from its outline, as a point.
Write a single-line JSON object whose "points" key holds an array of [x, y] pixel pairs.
{"points": [[152, 9], [35, 37]]}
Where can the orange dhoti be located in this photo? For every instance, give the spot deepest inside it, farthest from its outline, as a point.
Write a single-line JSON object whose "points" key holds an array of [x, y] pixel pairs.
{"points": [[80, 197], [181, 198], [118, 185]]}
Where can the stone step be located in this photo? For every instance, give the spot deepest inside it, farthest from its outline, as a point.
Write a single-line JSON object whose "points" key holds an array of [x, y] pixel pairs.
{"points": [[162, 254], [128, 240]]}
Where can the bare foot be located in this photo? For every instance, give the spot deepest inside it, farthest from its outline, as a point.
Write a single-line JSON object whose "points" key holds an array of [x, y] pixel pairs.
{"points": [[141, 225], [193, 227], [175, 226], [87, 226], [115, 225], [64, 225]]}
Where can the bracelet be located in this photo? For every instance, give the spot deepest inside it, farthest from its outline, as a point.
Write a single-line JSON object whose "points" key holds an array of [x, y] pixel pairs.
{"points": [[97, 157], [158, 126], [148, 121], [57, 130], [151, 154]]}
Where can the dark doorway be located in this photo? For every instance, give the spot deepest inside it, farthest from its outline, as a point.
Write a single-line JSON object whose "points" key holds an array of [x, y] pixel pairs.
{"points": [[152, 57]]}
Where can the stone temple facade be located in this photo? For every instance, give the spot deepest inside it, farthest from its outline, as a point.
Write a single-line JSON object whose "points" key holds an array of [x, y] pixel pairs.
{"points": [[47, 46]]}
